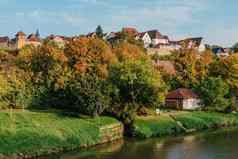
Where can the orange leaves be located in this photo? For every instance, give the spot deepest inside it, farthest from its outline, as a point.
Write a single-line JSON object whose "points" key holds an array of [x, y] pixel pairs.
{"points": [[81, 67], [207, 57], [90, 54], [126, 50]]}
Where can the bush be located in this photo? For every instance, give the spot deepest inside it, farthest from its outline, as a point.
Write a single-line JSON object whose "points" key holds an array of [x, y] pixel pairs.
{"points": [[214, 92], [16, 91], [90, 95]]}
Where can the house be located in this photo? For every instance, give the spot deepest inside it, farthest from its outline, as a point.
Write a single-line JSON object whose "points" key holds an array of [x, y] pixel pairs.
{"points": [[110, 36], [4, 42], [153, 38], [157, 37], [195, 43], [21, 39], [221, 52], [58, 39], [33, 39], [174, 45], [144, 36], [183, 99]]}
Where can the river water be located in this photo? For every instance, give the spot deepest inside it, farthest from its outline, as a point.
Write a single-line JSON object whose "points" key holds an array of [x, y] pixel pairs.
{"points": [[222, 144]]}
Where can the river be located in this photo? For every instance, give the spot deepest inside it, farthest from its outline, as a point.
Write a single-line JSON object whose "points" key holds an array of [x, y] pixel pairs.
{"points": [[222, 144]]}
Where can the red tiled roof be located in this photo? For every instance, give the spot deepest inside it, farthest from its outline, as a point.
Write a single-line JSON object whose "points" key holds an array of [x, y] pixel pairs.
{"points": [[141, 35], [32, 38], [4, 39], [182, 93], [154, 34], [196, 41], [52, 37]]}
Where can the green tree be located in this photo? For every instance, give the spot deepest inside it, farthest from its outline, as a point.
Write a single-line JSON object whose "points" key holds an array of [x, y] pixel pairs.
{"points": [[235, 48], [99, 31], [213, 92], [89, 95], [137, 85]]}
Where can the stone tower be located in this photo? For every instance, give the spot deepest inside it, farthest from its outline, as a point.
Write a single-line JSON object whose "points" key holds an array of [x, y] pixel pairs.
{"points": [[20, 39]]}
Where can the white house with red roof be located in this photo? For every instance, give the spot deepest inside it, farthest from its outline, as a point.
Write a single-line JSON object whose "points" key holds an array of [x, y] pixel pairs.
{"points": [[183, 99], [145, 37]]}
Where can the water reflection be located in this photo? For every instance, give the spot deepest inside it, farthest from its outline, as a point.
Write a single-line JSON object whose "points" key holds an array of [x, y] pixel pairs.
{"points": [[216, 145]]}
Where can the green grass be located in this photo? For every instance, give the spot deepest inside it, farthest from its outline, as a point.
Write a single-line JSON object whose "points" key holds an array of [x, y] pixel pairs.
{"points": [[34, 132], [205, 120], [154, 126]]}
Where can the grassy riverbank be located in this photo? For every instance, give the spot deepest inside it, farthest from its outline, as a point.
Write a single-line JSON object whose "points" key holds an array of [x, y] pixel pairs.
{"points": [[176, 123], [35, 133]]}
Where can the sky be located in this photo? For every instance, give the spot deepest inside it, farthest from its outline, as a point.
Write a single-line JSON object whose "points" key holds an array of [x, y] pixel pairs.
{"points": [[214, 20]]}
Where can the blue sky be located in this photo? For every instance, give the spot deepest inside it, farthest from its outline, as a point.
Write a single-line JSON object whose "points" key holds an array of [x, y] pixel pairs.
{"points": [[215, 20]]}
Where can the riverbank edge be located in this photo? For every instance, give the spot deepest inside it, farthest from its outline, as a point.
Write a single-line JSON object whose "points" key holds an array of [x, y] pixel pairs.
{"points": [[108, 132], [190, 122], [161, 127]]}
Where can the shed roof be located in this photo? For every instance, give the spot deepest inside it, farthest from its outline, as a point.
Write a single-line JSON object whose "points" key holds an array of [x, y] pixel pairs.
{"points": [[182, 93]]}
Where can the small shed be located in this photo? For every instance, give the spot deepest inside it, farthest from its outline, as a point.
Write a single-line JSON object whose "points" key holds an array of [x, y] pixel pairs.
{"points": [[183, 99]]}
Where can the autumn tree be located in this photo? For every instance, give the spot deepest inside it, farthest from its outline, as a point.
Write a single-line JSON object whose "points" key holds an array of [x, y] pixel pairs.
{"points": [[185, 64], [227, 69], [90, 55], [125, 50], [127, 37], [191, 66]]}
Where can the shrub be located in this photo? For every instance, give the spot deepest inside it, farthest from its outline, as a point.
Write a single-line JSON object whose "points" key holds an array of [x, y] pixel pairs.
{"points": [[213, 92], [16, 91], [90, 95]]}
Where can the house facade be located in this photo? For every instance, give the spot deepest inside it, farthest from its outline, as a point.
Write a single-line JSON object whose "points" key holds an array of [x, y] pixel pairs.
{"points": [[4, 42], [58, 39], [157, 38], [196, 43], [183, 99], [20, 40], [221, 52], [152, 38], [145, 38]]}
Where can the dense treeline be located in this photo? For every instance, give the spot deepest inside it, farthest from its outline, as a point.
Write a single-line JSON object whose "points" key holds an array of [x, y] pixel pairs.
{"points": [[92, 76]]}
